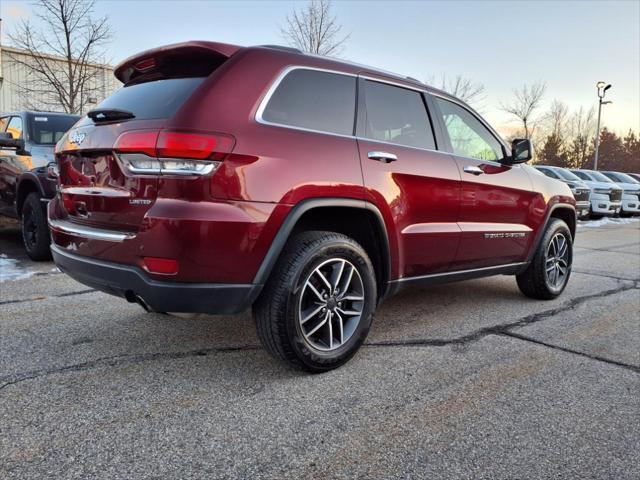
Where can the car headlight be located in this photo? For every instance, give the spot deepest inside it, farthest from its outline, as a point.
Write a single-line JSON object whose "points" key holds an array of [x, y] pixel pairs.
{"points": [[605, 191]]}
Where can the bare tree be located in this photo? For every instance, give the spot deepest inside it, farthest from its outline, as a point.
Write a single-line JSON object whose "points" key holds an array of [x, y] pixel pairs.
{"points": [[557, 118], [314, 29], [582, 128], [525, 103], [463, 88], [69, 33]]}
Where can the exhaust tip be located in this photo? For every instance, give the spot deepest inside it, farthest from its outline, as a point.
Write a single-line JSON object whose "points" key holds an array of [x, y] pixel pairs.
{"points": [[133, 298]]}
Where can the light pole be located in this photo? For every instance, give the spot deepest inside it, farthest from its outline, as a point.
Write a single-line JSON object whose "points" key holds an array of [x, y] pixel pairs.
{"points": [[602, 88]]}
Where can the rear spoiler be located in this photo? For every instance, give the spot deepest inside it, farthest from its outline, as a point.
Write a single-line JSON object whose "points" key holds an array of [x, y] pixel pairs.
{"points": [[188, 59]]}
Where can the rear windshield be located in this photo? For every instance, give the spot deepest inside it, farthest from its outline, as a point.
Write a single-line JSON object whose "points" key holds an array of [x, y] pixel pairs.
{"points": [[152, 100], [48, 129]]}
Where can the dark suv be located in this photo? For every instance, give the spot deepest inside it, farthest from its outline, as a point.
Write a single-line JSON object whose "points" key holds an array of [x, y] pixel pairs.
{"points": [[221, 177], [27, 140]]}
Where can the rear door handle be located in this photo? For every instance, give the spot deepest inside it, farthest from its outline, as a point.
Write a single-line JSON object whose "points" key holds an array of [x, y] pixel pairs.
{"points": [[384, 157], [472, 169]]}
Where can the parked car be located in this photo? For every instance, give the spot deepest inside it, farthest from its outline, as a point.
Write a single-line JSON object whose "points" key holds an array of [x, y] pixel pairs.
{"points": [[27, 140], [606, 197], [310, 189], [635, 176], [581, 191], [630, 192]]}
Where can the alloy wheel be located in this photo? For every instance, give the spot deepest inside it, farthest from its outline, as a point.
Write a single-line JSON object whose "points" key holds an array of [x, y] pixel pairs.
{"points": [[557, 261], [331, 304]]}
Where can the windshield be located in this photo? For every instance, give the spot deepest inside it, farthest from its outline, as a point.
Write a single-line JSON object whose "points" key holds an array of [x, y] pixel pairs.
{"points": [[47, 129], [567, 175], [600, 177], [622, 177]]}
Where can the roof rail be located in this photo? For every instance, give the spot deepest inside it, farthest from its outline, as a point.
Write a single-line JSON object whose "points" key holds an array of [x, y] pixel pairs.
{"points": [[282, 47], [413, 79]]}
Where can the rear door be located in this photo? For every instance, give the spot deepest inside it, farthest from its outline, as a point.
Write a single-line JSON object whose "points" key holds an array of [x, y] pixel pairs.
{"points": [[402, 169], [496, 199]]}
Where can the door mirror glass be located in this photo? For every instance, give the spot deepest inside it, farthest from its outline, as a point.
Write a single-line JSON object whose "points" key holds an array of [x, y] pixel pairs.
{"points": [[521, 151]]}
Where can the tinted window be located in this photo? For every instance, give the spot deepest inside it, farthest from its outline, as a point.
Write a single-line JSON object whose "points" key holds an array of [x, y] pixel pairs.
{"points": [[567, 175], [47, 129], [315, 100], [582, 175], [152, 100], [397, 115], [548, 173], [600, 177], [15, 127], [469, 137]]}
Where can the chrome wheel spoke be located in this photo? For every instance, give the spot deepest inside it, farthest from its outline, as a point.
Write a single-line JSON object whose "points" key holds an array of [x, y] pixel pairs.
{"points": [[323, 278], [311, 315], [338, 277], [317, 327], [314, 290], [340, 328]]}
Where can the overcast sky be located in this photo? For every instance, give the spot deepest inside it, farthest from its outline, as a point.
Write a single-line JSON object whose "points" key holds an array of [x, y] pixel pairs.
{"points": [[569, 45]]}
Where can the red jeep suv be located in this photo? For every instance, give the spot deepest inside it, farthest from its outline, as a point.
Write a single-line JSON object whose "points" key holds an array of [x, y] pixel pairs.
{"points": [[221, 178]]}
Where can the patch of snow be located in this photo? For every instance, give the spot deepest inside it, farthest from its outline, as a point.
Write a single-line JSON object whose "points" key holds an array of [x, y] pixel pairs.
{"points": [[11, 270], [606, 221]]}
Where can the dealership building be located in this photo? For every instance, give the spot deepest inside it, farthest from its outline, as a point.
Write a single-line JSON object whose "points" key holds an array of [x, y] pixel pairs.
{"points": [[15, 75]]}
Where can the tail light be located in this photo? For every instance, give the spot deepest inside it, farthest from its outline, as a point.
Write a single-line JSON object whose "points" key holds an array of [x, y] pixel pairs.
{"points": [[169, 152]]}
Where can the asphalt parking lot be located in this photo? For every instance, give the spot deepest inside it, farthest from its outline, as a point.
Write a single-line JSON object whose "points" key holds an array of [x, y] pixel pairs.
{"points": [[467, 380]]}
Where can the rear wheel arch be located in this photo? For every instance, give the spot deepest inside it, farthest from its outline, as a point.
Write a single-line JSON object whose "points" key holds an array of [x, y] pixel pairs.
{"points": [[356, 219]]}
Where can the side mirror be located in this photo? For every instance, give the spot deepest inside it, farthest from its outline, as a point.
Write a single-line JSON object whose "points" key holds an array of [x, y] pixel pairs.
{"points": [[7, 141], [521, 151]]}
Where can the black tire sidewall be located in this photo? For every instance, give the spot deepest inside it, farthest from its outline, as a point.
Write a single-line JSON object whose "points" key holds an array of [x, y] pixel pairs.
{"points": [[316, 359], [40, 250]]}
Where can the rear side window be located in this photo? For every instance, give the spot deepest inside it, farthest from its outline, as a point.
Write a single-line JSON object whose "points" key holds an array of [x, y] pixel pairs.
{"points": [[48, 129], [396, 115], [152, 100], [314, 100]]}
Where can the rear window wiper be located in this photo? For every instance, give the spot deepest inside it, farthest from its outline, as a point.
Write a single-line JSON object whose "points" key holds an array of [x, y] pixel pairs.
{"points": [[109, 114]]}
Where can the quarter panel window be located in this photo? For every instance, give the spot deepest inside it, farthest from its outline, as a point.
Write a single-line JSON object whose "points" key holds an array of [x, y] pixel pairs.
{"points": [[469, 137], [314, 100], [397, 115], [3, 123]]}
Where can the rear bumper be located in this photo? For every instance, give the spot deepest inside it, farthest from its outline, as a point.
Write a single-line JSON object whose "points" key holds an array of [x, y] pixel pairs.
{"points": [[132, 283]]}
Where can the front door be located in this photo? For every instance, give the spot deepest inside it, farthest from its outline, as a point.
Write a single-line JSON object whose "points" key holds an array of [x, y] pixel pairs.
{"points": [[495, 199], [416, 187]]}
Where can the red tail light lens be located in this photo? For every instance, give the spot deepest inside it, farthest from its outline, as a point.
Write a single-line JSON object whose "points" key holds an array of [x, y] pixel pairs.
{"points": [[175, 144], [196, 146], [163, 266], [138, 141]]}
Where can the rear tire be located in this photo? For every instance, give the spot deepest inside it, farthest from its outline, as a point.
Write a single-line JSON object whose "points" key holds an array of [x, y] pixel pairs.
{"points": [[323, 272], [35, 230], [548, 273]]}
